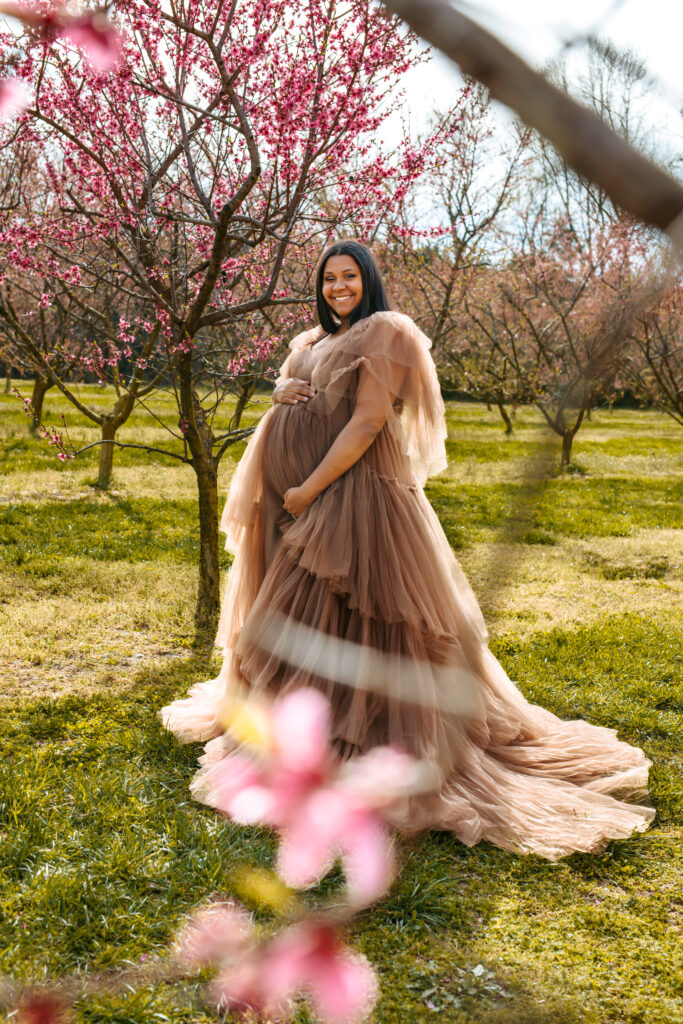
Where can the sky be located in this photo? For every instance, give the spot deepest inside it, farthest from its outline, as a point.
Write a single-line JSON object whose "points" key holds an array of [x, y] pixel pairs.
{"points": [[537, 29]]}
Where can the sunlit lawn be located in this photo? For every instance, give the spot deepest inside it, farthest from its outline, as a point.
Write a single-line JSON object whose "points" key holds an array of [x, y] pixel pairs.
{"points": [[102, 852]]}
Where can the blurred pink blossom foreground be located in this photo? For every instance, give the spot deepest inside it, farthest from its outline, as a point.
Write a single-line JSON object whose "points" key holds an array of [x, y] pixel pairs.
{"points": [[305, 959], [95, 34], [292, 781], [14, 97], [91, 30], [287, 775]]}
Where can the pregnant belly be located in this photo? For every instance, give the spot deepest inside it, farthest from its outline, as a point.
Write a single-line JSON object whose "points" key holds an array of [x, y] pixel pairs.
{"points": [[298, 439]]}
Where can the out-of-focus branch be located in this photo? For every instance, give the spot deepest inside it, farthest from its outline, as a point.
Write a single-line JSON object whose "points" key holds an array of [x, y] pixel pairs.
{"points": [[584, 141]]}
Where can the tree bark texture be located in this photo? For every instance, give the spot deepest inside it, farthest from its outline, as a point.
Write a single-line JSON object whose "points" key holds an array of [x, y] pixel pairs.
{"points": [[40, 387], [568, 435], [109, 427], [200, 440], [506, 419], [208, 591]]}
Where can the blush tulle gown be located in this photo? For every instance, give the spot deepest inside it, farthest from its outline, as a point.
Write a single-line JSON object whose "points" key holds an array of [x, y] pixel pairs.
{"points": [[362, 597]]}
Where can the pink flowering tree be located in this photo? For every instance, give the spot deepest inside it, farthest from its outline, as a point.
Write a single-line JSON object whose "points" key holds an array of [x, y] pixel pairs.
{"points": [[550, 325], [47, 330], [654, 371], [91, 30], [66, 322], [228, 141]]}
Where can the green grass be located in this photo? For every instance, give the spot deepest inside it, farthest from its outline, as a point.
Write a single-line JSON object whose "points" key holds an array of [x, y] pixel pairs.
{"points": [[612, 507], [102, 852], [505, 448], [624, 673], [105, 530], [112, 529]]}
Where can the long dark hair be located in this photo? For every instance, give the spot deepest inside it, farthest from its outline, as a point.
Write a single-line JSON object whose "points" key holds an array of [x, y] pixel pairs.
{"points": [[374, 298]]}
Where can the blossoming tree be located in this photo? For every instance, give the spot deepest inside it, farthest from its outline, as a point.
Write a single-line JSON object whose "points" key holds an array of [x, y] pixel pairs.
{"points": [[654, 371], [217, 148], [551, 323]]}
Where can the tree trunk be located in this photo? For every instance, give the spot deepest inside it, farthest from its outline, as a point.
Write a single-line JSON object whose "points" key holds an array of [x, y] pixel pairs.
{"points": [[588, 414], [208, 593], [8, 379], [40, 386], [567, 439], [200, 441], [506, 419], [568, 434], [109, 429], [246, 392]]}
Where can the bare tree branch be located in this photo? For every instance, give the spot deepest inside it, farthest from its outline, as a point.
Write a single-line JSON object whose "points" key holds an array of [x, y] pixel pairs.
{"points": [[584, 141]]}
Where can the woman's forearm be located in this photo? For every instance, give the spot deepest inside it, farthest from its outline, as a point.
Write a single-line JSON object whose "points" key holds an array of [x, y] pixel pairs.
{"points": [[350, 444]]}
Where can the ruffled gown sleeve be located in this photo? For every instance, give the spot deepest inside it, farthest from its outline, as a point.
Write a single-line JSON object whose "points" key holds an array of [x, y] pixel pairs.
{"points": [[391, 348]]}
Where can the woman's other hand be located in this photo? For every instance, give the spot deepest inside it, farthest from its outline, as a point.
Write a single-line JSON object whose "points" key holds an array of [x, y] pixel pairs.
{"points": [[292, 391], [297, 499]]}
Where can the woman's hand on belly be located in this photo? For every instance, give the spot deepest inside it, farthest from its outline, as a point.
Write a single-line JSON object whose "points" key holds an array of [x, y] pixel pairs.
{"points": [[292, 391], [297, 499]]}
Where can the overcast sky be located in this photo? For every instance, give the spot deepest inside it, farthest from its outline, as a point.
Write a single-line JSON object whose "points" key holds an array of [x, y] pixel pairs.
{"points": [[537, 29]]}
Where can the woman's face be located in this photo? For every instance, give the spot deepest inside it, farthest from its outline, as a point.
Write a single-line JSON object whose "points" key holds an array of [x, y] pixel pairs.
{"points": [[342, 286]]}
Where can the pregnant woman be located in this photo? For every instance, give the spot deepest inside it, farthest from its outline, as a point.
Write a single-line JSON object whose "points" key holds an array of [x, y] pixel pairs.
{"points": [[343, 580]]}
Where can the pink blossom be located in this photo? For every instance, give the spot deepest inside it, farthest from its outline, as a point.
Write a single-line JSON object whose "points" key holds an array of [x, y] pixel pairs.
{"points": [[306, 959], [214, 933], [91, 30], [42, 1007], [323, 811], [332, 823], [98, 37], [14, 97]]}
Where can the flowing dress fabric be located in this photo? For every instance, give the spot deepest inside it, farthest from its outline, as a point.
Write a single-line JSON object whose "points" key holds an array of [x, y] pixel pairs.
{"points": [[362, 597]]}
